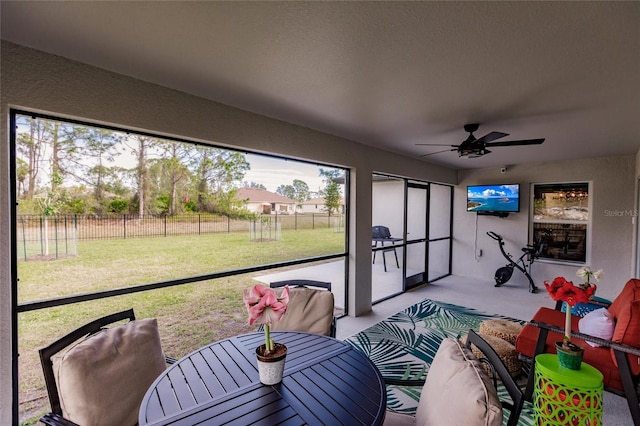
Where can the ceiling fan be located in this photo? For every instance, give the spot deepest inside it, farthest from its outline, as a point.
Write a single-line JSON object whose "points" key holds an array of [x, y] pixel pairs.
{"points": [[474, 148]]}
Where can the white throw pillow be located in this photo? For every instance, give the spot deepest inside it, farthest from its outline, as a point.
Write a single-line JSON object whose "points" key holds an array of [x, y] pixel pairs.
{"points": [[598, 323]]}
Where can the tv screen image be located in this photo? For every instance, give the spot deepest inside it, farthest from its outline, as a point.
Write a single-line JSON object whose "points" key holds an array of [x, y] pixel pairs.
{"points": [[493, 198]]}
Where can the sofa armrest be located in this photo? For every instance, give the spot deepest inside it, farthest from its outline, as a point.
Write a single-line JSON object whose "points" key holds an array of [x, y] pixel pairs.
{"points": [[589, 338]]}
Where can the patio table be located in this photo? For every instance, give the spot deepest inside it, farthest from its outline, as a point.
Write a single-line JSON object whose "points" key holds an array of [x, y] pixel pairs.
{"points": [[326, 382]]}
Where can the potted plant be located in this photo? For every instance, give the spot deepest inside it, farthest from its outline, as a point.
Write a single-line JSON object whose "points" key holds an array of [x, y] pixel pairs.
{"points": [[266, 306], [587, 274], [569, 354]]}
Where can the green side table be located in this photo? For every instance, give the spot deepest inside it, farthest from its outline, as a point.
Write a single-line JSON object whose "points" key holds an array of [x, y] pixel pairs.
{"points": [[566, 397]]}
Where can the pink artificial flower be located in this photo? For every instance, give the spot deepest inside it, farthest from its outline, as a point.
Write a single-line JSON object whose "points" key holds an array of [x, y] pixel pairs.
{"points": [[264, 305]]}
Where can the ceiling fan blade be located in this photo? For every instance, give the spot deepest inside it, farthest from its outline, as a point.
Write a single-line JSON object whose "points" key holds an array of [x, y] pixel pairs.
{"points": [[437, 152], [492, 137], [436, 144], [520, 142]]}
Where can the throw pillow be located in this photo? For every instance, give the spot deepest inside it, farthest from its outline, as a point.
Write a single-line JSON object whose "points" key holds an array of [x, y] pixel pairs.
{"points": [[103, 378], [458, 391], [309, 310], [627, 331], [598, 323]]}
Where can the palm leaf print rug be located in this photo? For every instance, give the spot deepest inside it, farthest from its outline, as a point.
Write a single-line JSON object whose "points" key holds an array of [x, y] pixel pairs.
{"points": [[403, 346]]}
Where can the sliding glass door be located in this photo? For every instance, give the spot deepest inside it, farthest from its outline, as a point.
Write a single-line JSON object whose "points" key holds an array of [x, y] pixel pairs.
{"points": [[388, 215], [440, 231], [417, 216], [417, 245]]}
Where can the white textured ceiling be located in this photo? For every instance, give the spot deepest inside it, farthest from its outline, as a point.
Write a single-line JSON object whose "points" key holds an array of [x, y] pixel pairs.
{"points": [[387, 74]]}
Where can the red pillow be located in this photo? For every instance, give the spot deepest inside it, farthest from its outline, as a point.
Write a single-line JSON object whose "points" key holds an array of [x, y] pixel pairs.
{"points": [[628, 294], [627, 331]]}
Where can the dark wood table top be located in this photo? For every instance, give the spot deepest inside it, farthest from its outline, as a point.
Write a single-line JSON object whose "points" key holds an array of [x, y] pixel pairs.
{"points": [[326, 382]]}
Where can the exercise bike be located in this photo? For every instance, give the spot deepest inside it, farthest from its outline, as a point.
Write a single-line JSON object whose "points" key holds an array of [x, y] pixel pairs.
{"points": [[530, 252]]}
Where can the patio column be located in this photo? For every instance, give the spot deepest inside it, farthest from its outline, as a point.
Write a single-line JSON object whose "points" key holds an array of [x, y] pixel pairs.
{"points": [[360, 242]]}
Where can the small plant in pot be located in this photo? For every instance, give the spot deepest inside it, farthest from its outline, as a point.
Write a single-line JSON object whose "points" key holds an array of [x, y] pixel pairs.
{"points": [[266, 306], [569, 354]]}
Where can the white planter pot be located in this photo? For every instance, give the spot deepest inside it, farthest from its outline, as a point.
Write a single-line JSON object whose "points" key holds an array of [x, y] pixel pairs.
{"points": [[271, 367]]}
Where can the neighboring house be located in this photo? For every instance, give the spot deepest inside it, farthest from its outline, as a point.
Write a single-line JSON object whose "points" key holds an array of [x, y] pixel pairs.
{"points": [[317, 205], [258, 200]]}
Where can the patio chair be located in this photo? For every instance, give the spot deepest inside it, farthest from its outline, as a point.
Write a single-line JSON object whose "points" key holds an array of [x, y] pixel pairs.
{"points": [[311, 307], [617, 358], [458, 389], [99, 375], [382, 235]]}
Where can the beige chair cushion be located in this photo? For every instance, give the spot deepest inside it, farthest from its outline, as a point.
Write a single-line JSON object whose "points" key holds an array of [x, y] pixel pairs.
{"points": [[103, 378], [309, 310], [457, 390]]}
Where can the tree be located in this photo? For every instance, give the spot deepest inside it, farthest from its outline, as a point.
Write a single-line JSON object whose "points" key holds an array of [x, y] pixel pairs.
{"points": [[140, 146], [254, 185], [217, 173], [286, 191], [99, 146], [331, 192], [301, 191], [170, 173], [298, 191], [30, 145], [49, 204], [22, 174]]}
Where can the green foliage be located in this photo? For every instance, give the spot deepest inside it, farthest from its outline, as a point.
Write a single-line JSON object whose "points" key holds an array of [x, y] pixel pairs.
{"points": [[298, 191], [165, 171], [331, 192], [118, 206], [190, 206], [28, 206], [161, 205], [286, 191], [76, 206]]}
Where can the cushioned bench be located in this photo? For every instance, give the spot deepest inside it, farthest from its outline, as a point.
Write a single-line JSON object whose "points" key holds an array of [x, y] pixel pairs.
{"points": [[618, 359]]}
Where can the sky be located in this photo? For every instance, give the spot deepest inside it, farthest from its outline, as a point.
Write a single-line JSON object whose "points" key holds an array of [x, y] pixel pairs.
{"points": [[273, 172]]}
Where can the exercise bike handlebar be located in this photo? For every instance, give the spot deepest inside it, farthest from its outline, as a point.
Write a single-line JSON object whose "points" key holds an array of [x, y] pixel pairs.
{"points": [[494, 236]]}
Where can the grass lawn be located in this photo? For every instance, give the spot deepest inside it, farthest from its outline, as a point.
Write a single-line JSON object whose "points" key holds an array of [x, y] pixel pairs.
{"points": [[189, 316]]}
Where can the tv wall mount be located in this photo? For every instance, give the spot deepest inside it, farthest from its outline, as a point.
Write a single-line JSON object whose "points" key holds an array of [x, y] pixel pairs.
{"points": [[490, 213]]}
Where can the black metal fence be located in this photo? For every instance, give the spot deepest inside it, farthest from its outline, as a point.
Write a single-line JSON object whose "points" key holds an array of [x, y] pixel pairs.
{"points": [[56, 235]]}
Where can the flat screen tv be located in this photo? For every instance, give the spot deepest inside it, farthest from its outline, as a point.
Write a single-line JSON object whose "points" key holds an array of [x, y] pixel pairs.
{"points": [[493, 198]]}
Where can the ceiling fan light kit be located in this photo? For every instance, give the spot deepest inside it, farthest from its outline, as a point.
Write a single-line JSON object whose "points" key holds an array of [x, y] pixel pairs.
{"points": [[473, 147]]}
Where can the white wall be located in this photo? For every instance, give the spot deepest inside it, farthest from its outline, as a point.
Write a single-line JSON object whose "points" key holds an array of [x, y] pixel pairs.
{"points": [[388, 206], [611, 248], [33, 80]]}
